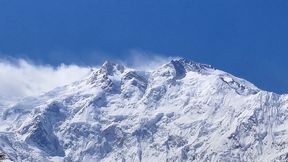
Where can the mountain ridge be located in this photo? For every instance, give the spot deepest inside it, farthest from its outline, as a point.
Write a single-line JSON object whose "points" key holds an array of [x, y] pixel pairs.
{"points": [[181, 111]]}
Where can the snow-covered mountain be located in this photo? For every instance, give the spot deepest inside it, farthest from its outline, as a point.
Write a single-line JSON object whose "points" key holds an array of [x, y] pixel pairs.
{"points": [[181, 111]]}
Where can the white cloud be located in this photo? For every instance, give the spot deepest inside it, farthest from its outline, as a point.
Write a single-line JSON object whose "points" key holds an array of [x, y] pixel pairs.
{"points": [[21, 78]]}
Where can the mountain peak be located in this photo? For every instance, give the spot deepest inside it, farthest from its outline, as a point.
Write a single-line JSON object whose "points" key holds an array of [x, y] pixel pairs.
{"points": [[182, 66], [192, 65], [171, 114], [111, 68]]}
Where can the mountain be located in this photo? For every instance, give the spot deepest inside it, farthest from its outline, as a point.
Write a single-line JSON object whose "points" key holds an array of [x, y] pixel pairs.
{"points": [[181, 111]]}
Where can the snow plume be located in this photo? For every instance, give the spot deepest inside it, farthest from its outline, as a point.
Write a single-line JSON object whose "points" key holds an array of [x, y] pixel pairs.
{"points": [[20, 78], [146, 61]]}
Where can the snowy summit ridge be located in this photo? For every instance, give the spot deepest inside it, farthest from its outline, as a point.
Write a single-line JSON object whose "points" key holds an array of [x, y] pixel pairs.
{"points": [[181, 111]]}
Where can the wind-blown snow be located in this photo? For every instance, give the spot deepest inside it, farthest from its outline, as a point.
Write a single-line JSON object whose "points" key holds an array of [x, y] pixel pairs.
{"points": [[181, 111]]}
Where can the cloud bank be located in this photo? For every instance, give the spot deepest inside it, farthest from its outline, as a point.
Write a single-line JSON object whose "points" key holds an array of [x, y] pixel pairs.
{"points": [[21, 78]]}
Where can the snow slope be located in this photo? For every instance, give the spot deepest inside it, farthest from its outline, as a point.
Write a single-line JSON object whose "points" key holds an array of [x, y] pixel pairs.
{"points": [[181, 111]]}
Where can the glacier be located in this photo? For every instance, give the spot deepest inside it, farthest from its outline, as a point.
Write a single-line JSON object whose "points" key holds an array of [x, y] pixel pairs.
{"points": [[181, 111]]}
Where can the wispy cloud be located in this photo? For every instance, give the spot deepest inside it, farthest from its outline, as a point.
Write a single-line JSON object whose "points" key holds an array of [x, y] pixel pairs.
{"points": [[143, 60], [19, 78]]}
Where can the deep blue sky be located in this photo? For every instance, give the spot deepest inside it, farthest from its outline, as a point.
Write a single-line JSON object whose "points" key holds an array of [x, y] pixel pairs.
{"points": [[247, 38]]}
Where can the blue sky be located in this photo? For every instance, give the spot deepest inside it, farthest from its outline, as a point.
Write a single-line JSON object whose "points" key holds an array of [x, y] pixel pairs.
{"points": [[247, 38]]}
